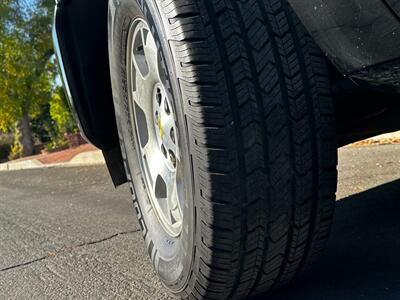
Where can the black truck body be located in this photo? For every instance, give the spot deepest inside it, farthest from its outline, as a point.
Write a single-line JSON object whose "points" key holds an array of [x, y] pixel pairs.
{"points": [[361, 38]]}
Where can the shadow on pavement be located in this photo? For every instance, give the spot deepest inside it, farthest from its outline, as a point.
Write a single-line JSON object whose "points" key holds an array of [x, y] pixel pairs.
{"points": [[362, 260]]}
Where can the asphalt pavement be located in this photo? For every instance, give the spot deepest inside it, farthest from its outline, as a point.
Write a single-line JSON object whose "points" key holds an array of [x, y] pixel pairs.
{"points": [[65, 233]]}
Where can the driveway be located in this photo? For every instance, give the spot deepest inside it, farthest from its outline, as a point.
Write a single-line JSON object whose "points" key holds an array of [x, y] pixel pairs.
{"points": [[66, 233]]}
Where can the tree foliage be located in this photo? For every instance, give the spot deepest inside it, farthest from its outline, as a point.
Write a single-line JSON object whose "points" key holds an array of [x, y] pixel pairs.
{"points": [[27, 66], [60, 113]]}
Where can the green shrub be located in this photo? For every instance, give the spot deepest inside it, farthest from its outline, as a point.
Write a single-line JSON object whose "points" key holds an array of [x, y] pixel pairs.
{"points": [[59, 144], [17, 149]]}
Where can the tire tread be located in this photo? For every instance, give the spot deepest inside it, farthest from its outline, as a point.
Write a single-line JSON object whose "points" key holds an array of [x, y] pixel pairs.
{"points": [[258, 103]]}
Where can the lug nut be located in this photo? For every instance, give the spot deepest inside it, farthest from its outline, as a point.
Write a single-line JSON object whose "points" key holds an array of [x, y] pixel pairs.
{"points": [[172, 135], [172, 157], [158, 97], [164, 151], [166, 108]]}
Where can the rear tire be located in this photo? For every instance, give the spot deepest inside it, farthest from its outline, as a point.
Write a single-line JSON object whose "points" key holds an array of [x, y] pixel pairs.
{"points": [[253, 106]]}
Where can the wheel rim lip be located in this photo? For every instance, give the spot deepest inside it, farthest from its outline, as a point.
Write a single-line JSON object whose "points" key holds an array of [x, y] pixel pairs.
{"points": [[173, 230]]}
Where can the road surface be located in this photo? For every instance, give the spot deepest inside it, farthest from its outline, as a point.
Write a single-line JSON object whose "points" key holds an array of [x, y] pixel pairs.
{"points": [[66, 233]]}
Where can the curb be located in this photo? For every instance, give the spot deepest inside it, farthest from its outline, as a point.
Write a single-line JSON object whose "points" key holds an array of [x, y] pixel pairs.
{"points": [[90, 158]]}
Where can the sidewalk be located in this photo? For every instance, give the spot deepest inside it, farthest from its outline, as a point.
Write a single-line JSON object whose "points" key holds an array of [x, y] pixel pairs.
{"points": [[80, 156]]}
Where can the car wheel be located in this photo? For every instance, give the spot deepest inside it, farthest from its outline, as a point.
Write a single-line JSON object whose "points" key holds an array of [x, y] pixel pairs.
{"points": [[227, 130]]}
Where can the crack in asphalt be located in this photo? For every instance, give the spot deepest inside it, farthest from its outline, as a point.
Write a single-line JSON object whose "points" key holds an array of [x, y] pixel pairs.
{"points": [[66, 249]]}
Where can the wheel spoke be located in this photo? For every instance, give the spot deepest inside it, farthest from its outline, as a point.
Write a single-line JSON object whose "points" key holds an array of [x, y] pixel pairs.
{"points": [[142, 93], [174, 205], [153, 158], [165, 191], [138, 53], [153, 59]]}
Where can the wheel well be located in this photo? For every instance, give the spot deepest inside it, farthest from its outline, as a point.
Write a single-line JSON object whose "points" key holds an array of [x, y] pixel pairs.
{"points": [[363, 109], [83, 37]]}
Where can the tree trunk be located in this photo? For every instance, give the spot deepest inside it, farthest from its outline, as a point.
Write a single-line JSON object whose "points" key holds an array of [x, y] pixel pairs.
{"points": [[26, 136]]}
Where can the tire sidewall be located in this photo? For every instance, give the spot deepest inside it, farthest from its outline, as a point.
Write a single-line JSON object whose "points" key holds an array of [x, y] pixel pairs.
{"points": [[171, 257]]}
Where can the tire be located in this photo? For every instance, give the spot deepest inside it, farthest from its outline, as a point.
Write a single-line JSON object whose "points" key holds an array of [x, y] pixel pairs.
{"points": [[251, 93]]}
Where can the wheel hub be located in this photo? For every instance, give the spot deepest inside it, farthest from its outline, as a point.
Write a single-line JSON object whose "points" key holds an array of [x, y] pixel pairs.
{"points": [[154, 120], [164, 123]]}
